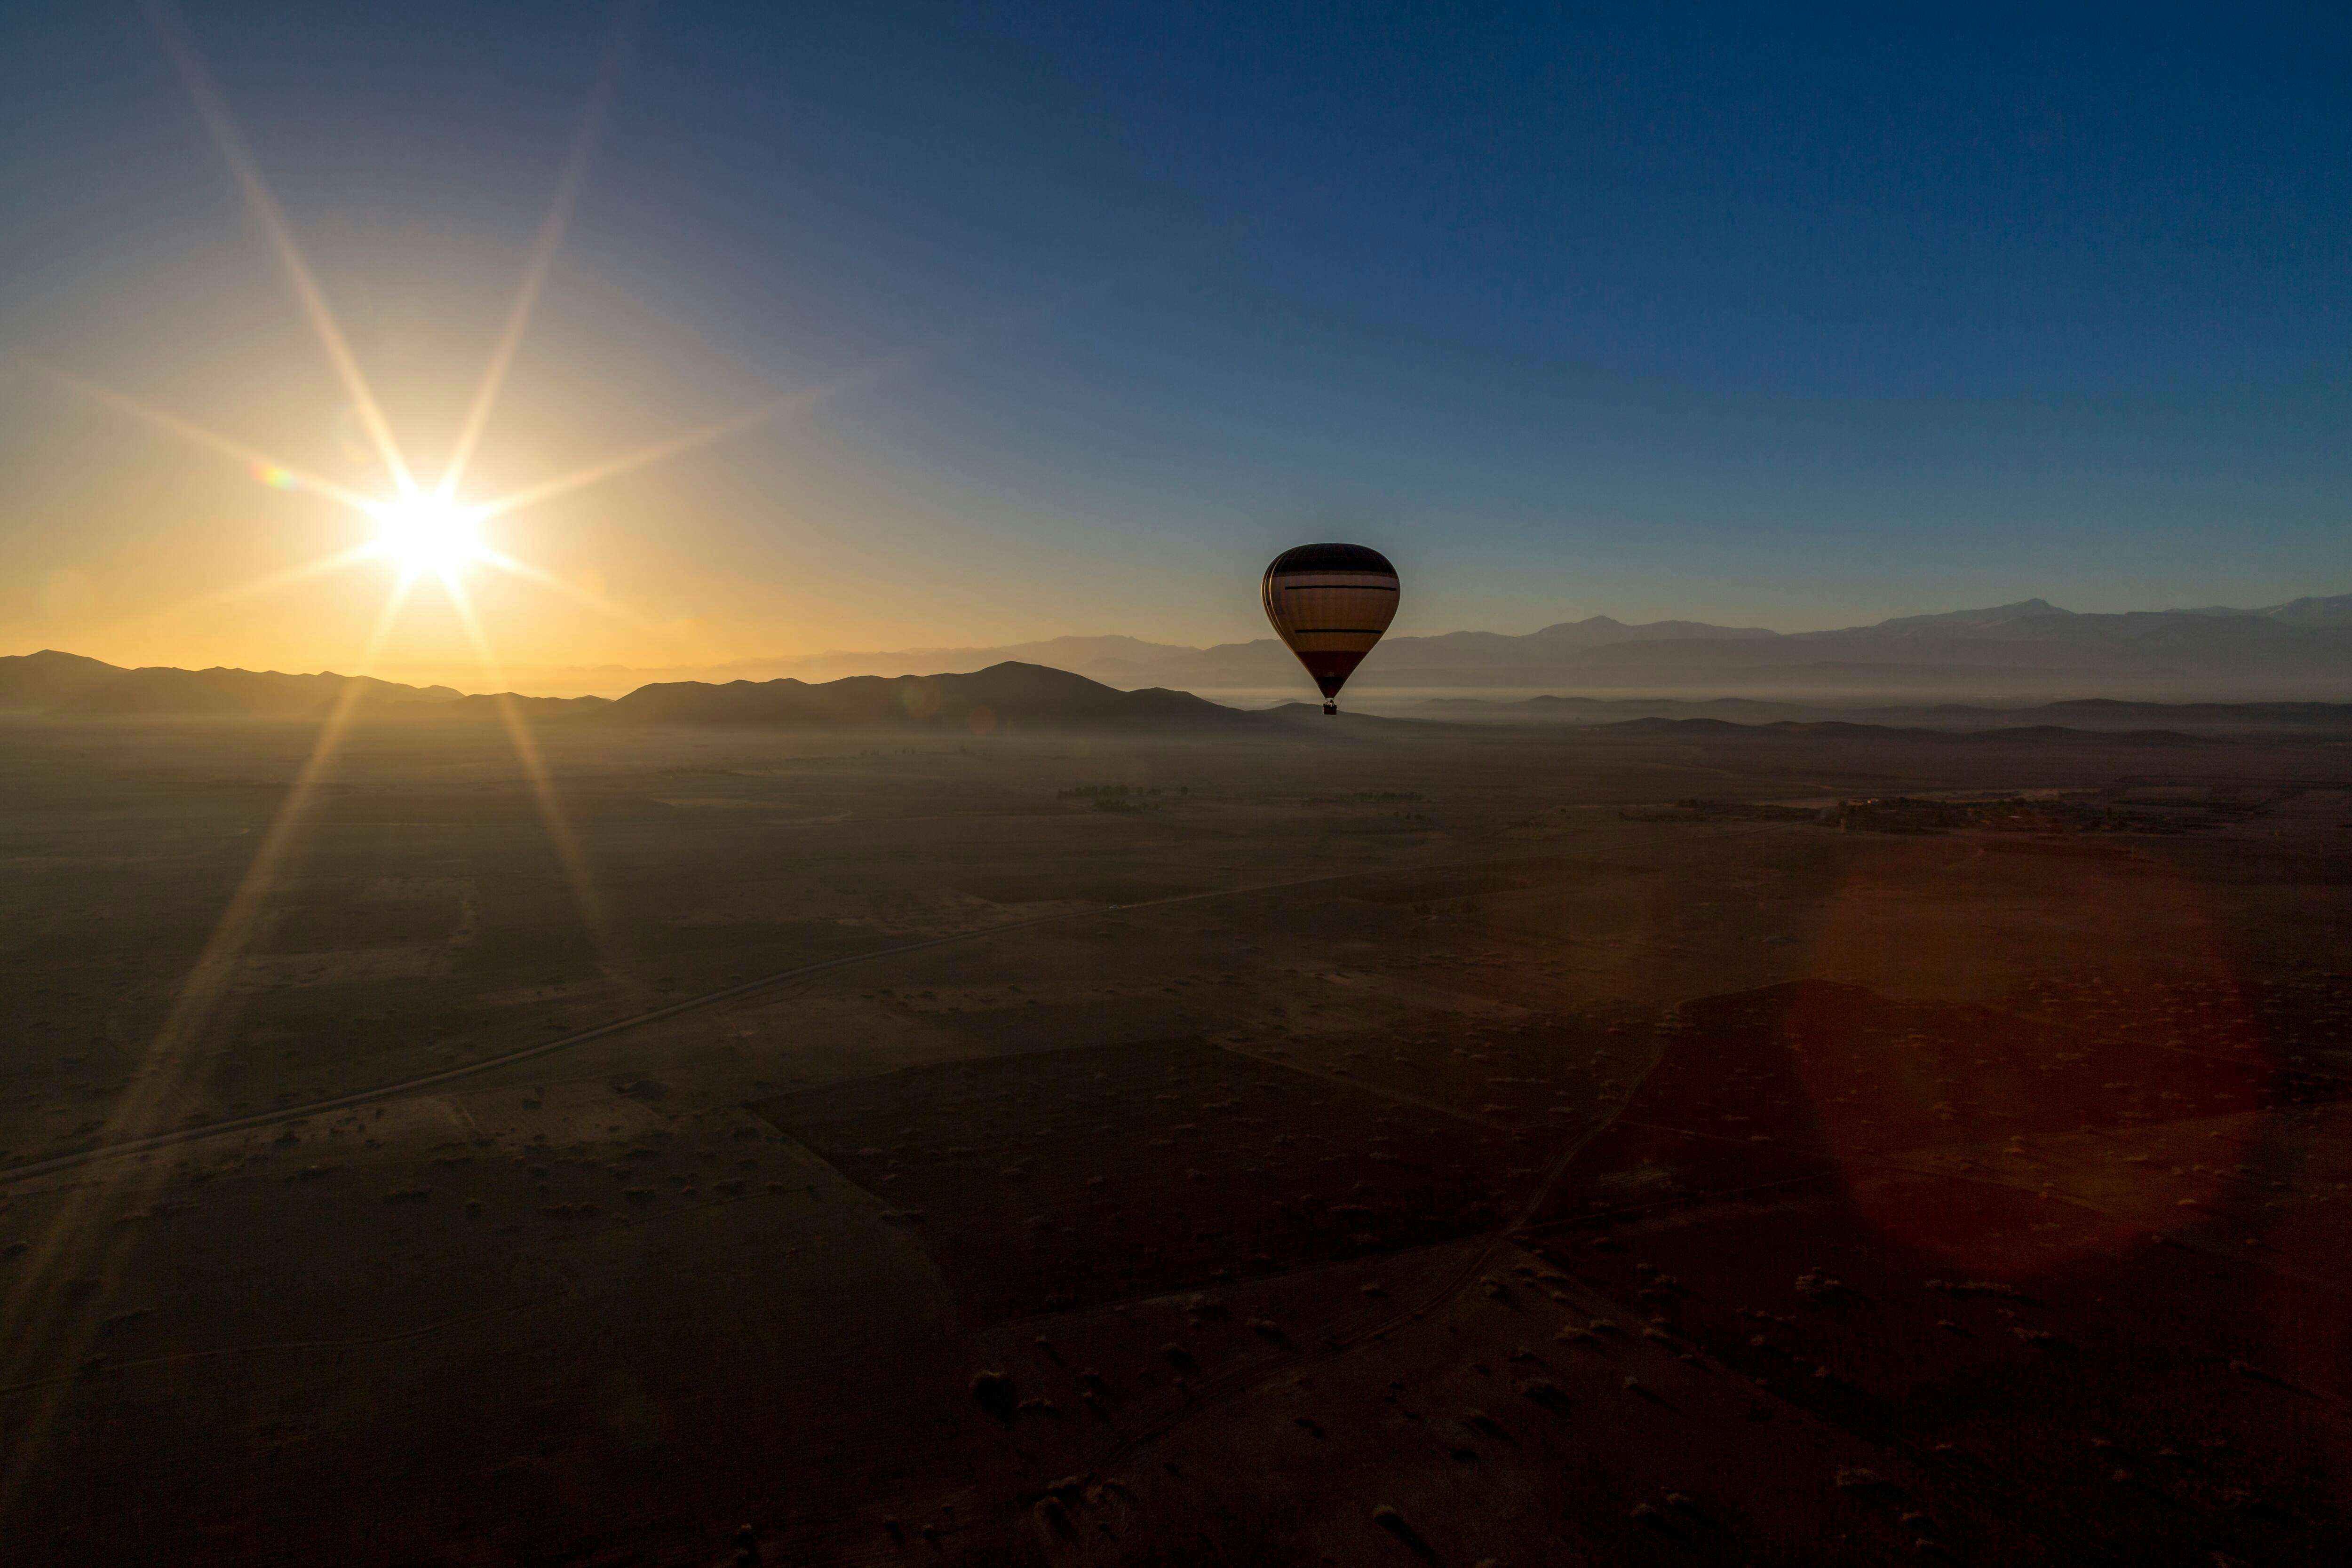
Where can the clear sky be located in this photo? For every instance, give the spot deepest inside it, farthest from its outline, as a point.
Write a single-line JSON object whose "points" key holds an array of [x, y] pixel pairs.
{"points": [[1767, 315]]}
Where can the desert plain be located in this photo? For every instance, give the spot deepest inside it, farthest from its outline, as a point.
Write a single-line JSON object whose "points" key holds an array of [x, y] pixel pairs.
{"points": [[1346, 1141]]}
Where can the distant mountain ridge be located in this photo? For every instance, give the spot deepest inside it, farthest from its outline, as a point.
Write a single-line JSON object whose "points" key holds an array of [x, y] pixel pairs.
{"points": [[2030, 649], [68, 685], [1008, 697], [1017, 698]]}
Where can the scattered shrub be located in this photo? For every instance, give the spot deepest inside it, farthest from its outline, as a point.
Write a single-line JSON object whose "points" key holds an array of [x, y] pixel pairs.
{"points": [[1855, 1477], [994, 1392], [118, 1321], [1051, 1513]]}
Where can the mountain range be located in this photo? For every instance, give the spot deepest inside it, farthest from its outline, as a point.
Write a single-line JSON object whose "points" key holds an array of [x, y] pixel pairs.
{"points": [[1007, 697], [1017, 698], [69, 685], [2006, 655], [2025, 651]]}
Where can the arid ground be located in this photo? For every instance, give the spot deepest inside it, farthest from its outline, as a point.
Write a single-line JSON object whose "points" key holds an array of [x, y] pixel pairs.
{"points": [[1358, 1142]]}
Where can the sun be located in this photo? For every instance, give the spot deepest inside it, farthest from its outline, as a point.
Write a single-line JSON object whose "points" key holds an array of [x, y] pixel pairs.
{"points": [[427, 534]]}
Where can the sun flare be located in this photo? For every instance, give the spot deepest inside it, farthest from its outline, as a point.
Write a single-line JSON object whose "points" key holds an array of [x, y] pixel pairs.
{"points": [[427, 534], [420, 528]]}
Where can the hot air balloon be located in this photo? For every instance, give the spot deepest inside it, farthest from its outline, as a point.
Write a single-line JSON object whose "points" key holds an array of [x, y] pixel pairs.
{"points": [[1330, 603]]}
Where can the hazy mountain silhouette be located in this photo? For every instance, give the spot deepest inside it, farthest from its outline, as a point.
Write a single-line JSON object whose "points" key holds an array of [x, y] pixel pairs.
{"points": [[2032, 649], [2333, 612], [2300, 649], [38, 682], [67, 685], [161, 691], [1008, 697]]}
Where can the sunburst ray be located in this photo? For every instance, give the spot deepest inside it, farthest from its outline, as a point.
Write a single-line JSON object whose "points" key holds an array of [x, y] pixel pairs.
{"points": [[706, 434], [656, 452], [568, 853], [43, 1327], [542, 261], [556, 585], [181, 45], [189, 430]]}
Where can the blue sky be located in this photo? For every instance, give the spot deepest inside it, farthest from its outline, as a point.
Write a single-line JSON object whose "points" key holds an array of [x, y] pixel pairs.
{"points": [[1730, 313]]}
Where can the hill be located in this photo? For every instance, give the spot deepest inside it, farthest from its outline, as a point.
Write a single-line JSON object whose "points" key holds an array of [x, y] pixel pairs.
{"points": [[35, 683], [1007, 697], [1003, 698], [69, 686], [162, 692]]}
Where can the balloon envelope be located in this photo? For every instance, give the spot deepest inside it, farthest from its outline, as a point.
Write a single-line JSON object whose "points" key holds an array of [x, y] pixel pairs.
{"points": [[1330, 603]]}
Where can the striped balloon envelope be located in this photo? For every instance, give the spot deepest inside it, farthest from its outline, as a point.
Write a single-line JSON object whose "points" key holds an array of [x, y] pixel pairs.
{"points": [[1330, 603]]}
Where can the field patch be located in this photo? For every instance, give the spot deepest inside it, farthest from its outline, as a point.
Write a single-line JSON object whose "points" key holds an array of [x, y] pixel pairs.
{"points": [[1075, 1179], [1498, 877], [350, 967], [1076, 885]]}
